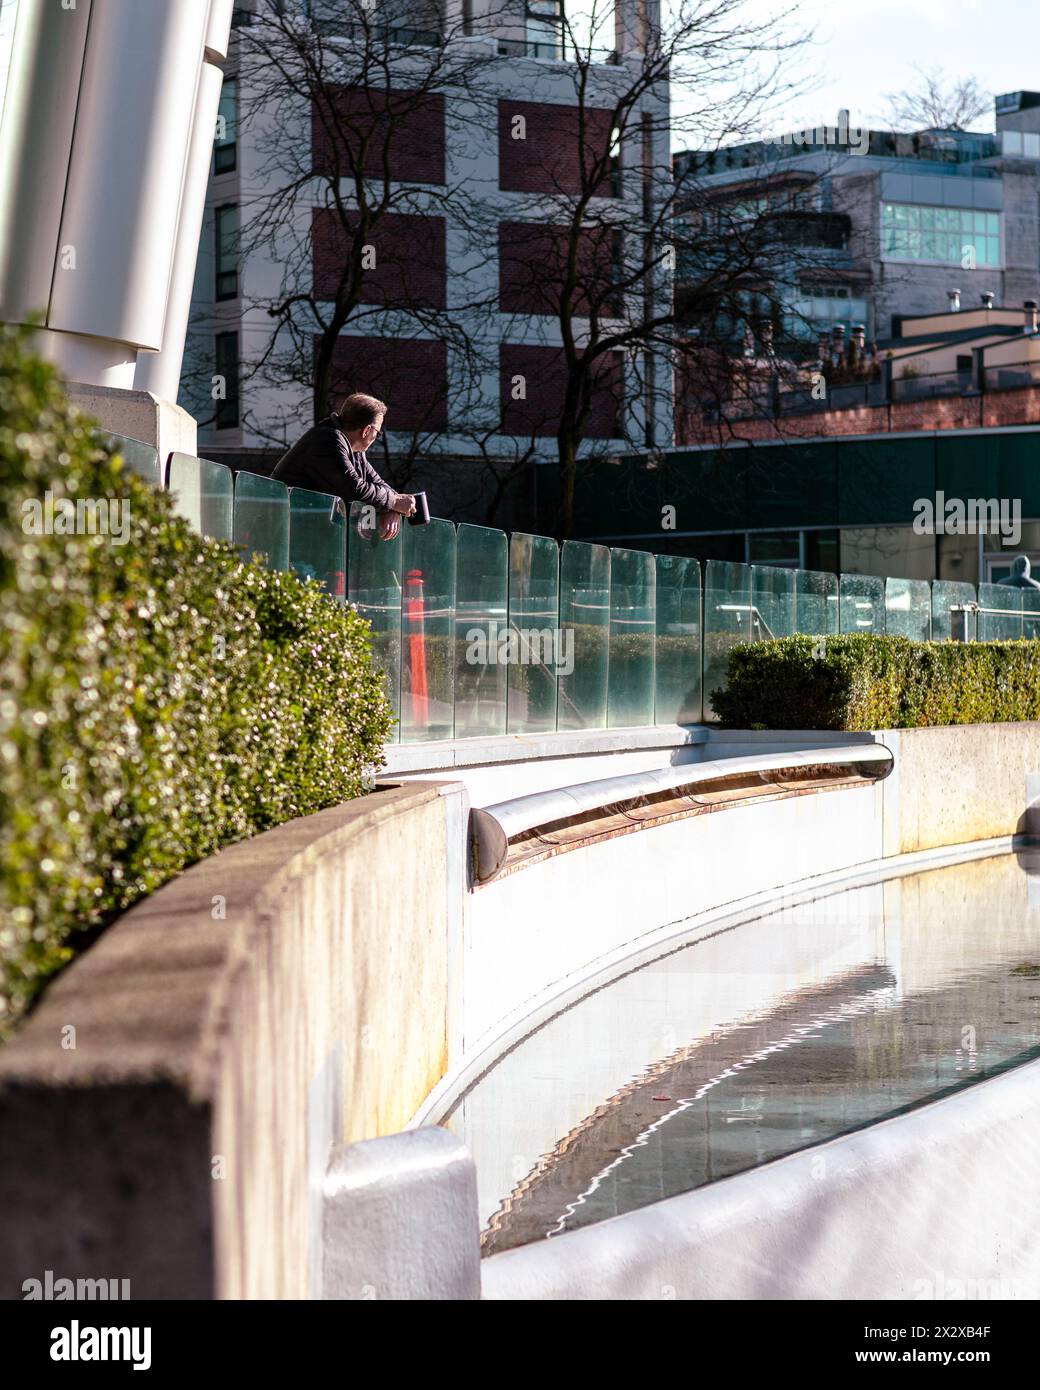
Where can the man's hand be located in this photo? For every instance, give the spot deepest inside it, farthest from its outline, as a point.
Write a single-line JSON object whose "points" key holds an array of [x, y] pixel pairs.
{"points": [[389, 525], [404, 503]]}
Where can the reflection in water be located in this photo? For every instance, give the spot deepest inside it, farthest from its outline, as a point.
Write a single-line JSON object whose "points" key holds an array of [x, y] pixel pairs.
{"points": [[755, 1043]]}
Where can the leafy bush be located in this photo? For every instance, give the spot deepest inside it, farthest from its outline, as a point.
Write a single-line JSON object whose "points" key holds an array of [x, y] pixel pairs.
{"points": [[158, 698], [861, 682]]}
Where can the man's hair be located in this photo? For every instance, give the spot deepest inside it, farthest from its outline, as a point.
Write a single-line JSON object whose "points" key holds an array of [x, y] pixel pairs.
{"points": [[358, 410]]}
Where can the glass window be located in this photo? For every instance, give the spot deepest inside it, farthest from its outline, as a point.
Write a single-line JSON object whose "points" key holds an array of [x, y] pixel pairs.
{"points": [[885, 550], [481, 630], [374, 588], [261, 519], [225, 145], [542, 33], [585, 634], [633, 628], [226, 363], [226, 251], [318, 539], [943, 235], [8, 15], [428, 632]]}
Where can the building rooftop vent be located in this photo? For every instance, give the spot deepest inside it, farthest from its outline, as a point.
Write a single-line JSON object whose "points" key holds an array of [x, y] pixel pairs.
{"points": [[987, 298], [954, 296]]}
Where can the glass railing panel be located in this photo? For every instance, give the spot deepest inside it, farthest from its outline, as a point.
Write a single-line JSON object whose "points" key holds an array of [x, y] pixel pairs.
{"points": [[949, 595], [633, 628], [428, 632], [534, 607], [908, 608], [584, 636], [1030, 613], [138, 457], [481, 631], [773, 601], [203, 494], [677, 659], [261, 524], [727, 621], [816, 603], [1003, 620], [318, 539], [861, 603], [374, 588]]}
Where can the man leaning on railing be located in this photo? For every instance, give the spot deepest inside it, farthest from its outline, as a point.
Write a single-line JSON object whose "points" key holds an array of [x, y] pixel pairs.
{"points": [[331, 457]]}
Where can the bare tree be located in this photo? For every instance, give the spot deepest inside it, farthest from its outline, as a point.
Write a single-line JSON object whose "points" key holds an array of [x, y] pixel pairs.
{"points": [[598, 264], [935, 103], [343, 218]]}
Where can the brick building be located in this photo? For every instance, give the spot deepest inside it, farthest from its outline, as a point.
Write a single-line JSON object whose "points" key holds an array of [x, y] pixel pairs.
{"points": [[458, 306], [890, 225]]}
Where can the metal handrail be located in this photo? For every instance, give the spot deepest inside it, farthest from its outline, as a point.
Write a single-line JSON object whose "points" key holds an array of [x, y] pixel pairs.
{"points": [[493, 828]]}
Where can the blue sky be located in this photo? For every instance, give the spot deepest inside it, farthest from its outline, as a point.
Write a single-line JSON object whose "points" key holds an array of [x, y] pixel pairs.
{"points": [[862, 51]]}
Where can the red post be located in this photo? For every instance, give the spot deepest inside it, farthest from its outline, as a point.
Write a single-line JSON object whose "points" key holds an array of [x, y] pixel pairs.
{"points": [[414, 612]]}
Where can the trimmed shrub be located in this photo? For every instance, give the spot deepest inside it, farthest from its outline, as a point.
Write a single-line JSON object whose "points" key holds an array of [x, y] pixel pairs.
{"points": [[159, 698], [862, 682]]}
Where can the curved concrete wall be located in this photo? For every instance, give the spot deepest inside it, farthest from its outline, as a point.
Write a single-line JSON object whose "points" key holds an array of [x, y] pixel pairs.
{"points": [[167, 1112]]}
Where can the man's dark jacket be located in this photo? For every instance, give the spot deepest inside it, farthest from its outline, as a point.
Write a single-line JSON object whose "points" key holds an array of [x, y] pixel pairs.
{"points": [[323, 461]]}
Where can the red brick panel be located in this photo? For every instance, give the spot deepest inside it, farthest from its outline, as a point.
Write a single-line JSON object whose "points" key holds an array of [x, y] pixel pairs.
{"points": [[544, 381], [408, 253], [1018, 406], [410, 375], [532, 264], [553, 152], [399, 133]]}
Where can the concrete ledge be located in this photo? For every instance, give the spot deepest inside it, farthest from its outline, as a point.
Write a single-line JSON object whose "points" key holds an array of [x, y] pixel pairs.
{"points": [[401, 1219], [254, 992], [442, 755]]}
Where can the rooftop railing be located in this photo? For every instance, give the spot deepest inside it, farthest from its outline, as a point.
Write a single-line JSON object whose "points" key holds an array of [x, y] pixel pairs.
{"points": [[481, 633]]}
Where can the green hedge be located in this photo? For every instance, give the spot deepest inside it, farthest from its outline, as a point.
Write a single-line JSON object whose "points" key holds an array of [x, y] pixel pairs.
{"points": [[158, 698], [861, 682]]}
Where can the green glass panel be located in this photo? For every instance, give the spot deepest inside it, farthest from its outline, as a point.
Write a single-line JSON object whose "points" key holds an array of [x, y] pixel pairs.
{"points": [[1030, 613], [727, 621], [1003, 620], [773, 601], [261, 525], [481, 625], [677, 698], [534, 606], [203, 494], [318, 539], [374, 588], [861, 603], [633, 629], [428, 632], [584, 636], [815, 602], [138, 457], [948, 594], [908, 608]]}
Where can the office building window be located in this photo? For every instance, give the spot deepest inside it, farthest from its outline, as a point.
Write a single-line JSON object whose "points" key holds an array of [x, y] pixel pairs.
{"points": [[226, 363], [226, 251], [820, 308], [225, 152], [542, 31], [945, 236]]}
